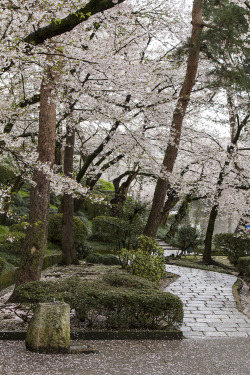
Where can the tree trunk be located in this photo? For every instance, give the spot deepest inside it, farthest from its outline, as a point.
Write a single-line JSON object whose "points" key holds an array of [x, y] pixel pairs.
{"points": [[36, 237], [171, 201], [180, 215], [176, 127], [207, 255], [68, 246]]}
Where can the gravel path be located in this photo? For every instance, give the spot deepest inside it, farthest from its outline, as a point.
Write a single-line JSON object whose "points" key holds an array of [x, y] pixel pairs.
{"points": [[209, 306]]}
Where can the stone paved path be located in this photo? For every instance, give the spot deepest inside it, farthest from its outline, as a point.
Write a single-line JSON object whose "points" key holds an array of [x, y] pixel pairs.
{"points": [[209, 306]]}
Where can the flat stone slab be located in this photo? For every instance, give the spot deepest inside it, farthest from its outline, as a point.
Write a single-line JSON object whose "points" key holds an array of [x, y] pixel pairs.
{"points": [[209, 306]]}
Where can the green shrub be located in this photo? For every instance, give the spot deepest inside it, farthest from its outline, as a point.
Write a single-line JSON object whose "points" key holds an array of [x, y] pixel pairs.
{"points": [[114, 229], [101, 306], [12, 242], [107, 259], [3, 230], [232, 245], [19, 227], [146, 261], [126, 280], [55, 230], [96, 207], [83, 250], [2, 264], [188, 236], [126, 309], [108, 228], [244, 266]]}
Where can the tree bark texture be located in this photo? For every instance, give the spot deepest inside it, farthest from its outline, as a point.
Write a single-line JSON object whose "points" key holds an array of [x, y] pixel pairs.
{"points": [[68, 246], [178, 117], [36, 237]]}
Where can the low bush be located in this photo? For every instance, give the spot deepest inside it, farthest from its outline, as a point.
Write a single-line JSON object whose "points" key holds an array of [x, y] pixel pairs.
{"points": [[19, 227], [128, 309], [2, 264], [96, 206], [232, 245], [102, 306], [55, 230], [107, 259], [124, 280], [83, 250], [108, 228], [12, 242], [244, 266], [147, 260], [188, 237]]}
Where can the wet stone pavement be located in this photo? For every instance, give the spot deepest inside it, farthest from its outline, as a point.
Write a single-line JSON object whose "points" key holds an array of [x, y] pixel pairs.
{"points": [[209, 305]]}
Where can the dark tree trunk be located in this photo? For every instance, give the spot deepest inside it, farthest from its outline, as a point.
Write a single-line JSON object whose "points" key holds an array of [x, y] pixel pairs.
{"points": [[36, 237], [121, 191], [68, 246], [171, 201], [179, 216], [15, 188], [155, 215]]}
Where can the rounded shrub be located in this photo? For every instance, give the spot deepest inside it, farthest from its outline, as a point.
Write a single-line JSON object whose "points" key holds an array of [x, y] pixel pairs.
{"points": [[102, 306], [55, 230], [108, 228], [13, 242], [147, 260], [107, 259], [19, 227], [233, 245]]}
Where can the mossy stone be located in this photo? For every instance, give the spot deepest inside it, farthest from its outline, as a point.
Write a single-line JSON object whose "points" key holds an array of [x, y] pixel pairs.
{"points": [[49, 329]]}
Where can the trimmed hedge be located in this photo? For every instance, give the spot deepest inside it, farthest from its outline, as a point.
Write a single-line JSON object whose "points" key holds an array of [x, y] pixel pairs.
{"points": [[107, 259], [108, 228], [232, 245], [55, 230], [244, 266], [128, 309], [101, 306]]}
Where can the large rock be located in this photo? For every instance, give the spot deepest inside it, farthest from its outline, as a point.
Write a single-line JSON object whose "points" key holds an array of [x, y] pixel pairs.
{"points": [[49, 329]]}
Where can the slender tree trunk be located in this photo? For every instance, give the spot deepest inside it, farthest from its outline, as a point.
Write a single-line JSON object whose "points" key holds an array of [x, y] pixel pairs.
{"points": [[207, 255], [36, 237], [180, 215], [176, 127], [68, 246], [171, 201]]}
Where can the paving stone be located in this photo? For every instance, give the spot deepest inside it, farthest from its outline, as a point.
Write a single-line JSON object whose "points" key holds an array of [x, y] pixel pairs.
{"points": [[209, 305]]}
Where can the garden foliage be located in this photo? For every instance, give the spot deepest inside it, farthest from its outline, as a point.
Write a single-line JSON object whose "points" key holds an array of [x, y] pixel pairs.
{"points": [[146, 260], [233, 245], [135, 305]]}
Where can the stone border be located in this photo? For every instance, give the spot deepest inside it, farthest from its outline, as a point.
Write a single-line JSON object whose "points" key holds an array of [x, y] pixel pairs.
{"points": [[105, 335]]}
